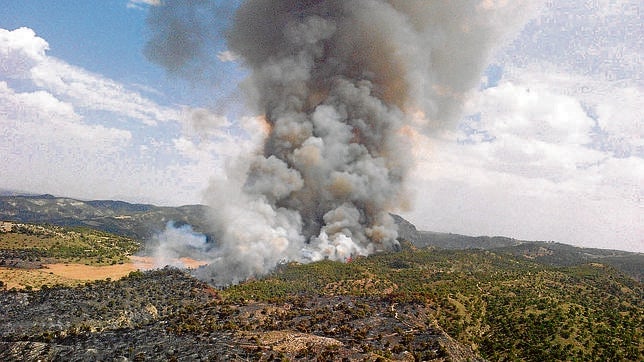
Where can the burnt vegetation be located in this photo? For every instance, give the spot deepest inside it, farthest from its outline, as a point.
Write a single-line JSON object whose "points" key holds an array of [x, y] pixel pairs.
{"points": [[500, 299], [417, 304]]}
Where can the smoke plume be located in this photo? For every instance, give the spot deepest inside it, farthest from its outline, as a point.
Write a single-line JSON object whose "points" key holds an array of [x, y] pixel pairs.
{"points": [[172, 245], [337, 83]]}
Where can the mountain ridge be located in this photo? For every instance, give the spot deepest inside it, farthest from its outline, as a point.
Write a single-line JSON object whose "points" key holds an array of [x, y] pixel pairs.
{"points": [[143, 221]]}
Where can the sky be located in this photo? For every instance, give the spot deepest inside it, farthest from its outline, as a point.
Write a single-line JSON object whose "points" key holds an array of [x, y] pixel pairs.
{"points": [[549, 146]]}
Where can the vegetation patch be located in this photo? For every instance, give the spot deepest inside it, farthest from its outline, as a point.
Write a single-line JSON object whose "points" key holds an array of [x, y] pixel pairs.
{"points": [[503, 307], [81, 245], [36, 255]]}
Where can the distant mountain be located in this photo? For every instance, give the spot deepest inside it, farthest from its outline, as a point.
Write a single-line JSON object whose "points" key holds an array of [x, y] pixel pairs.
{"points": [[139, 221], [142, 221], [5, 192], [546, 252]]}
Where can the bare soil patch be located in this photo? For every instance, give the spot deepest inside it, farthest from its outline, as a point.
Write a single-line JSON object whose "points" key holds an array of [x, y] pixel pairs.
{"points": [[32, 278], [90, 272], [148, 262], [114, 272], [74, 274]]}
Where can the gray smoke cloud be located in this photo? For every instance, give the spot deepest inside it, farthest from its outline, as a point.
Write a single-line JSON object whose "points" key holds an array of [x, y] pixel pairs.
{"points": [[336, 83]]}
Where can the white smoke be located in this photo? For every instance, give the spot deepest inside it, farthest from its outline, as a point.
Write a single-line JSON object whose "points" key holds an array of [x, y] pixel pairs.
{"points": [[175, 244], [336, 82]]}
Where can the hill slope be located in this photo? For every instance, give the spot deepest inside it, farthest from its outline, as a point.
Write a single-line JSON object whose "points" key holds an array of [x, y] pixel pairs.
{"points": [[133, 220], [412, 305], [549, 253], [142, 221], [500, 298], [35, 255]]}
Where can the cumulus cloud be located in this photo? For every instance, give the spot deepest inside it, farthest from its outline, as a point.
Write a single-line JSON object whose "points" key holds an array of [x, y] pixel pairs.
{"points": [[23, 56], [552, 147], [533, 162], [68, 131], [92, 91], [20, 51], [600, 38], [40, 114], [533, 113]]}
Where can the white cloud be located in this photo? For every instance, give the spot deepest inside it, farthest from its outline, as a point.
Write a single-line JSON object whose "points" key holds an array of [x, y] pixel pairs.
{"points": [[92, 91], [139, 4], [623, 115], [554, 151], [227, 56], [533, 111], [602, 38], [529, 164], [23, 55], [66, 131], [39, 115], [20, 50], [529, 211]]}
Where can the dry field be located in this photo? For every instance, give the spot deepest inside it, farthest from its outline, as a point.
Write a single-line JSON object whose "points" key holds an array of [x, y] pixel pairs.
{"points": [[31, 278], [38, 255], [71, 274]]}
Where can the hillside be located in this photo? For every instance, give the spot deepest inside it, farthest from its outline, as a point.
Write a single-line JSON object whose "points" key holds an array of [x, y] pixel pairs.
{"points": [[143, 221], [42, 242], [496, 298], [132, 220], [412, 305], [546, 252], [501, 306], [35, 255]]}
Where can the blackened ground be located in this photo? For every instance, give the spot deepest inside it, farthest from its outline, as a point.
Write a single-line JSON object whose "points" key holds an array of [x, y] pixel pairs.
{"points": [[168, 315]]}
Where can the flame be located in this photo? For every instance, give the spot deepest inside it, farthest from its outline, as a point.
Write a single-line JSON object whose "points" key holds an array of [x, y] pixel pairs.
{"points": [[265, 126]]}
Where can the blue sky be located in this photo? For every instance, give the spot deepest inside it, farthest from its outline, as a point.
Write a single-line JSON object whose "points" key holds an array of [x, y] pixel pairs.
{"points": [[90, 34], [549, 147], [108, 38]]}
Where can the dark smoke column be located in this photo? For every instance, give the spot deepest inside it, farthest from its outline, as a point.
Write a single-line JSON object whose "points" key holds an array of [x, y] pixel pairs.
{"points": [[331, 87], [336, 81]]}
